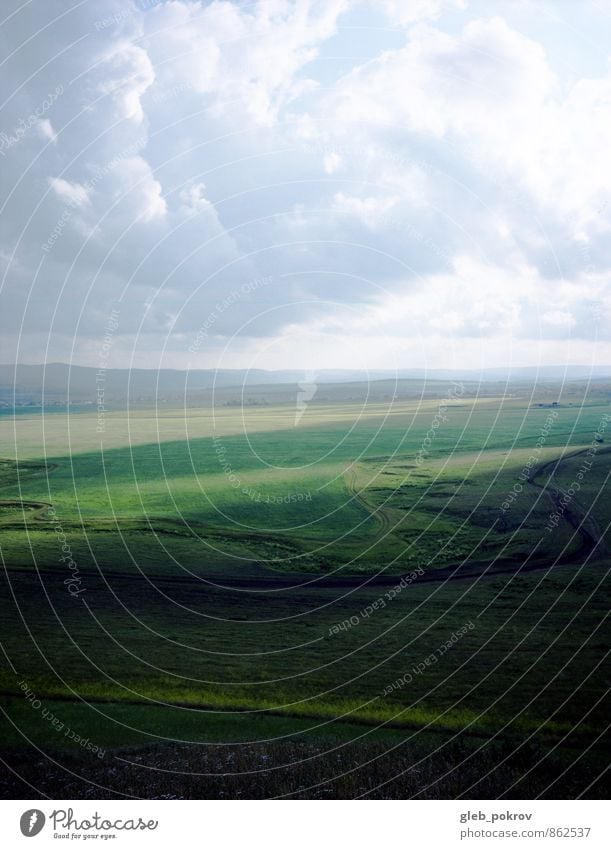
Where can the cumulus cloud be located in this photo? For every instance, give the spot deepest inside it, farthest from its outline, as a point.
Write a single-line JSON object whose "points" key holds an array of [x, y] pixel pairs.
{"points": [[403, 14], [452, 185], [246, 60], [74, 194]]}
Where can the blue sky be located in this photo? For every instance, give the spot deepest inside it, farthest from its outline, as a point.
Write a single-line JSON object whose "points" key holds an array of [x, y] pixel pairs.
{"points": [[400, 183]]}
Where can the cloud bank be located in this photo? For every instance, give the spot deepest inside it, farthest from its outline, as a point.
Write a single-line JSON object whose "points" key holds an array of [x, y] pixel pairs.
{"points": [[321, 183]]}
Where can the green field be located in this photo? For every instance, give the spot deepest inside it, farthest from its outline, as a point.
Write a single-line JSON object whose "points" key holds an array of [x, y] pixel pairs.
{"points": [[183, 586]]}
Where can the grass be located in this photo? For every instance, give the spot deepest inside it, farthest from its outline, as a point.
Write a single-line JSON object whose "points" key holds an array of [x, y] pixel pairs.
{"points": [[210, 612]]}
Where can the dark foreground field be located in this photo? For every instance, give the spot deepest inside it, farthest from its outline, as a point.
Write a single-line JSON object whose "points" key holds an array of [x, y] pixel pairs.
{"points": [[363, 614], [325, 769]]}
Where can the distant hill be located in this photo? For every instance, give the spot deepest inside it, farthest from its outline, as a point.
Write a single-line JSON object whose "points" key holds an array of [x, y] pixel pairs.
{"points": [[59, 383]]}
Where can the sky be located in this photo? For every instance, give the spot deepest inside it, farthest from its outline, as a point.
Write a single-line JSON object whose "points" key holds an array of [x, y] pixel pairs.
{"points": [[305, 183]]}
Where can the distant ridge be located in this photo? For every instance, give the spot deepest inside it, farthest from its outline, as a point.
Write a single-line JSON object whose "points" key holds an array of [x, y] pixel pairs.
{"points": [[59, 382], [28, 373]]}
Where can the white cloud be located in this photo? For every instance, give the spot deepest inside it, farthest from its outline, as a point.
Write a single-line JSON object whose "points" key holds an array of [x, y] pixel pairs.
{"points": [[127, 74], [559, 318], [404, 13], [332, 161], [248, 60], [71, 193], [140, 193], [491, 93], [45, 130], [475, 300], [488, 80], [194, 198], [370, 211], [451, 188]]}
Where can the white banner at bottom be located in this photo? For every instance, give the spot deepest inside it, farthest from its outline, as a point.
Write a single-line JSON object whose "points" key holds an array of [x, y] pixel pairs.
{"points": [[305, 824]]}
